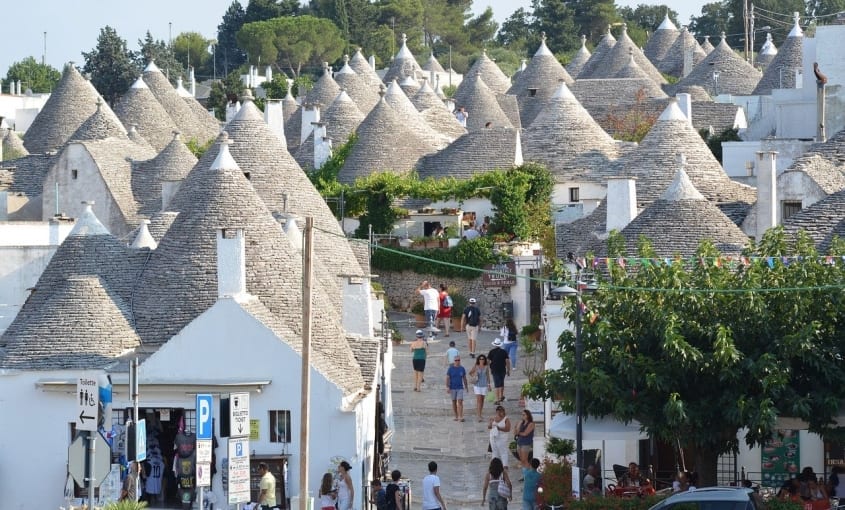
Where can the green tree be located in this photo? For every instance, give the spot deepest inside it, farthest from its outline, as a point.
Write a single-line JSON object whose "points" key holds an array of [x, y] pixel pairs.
{"points": [[191, 48], [715, 19], [292, 42], [556, 19], [824, 9], [660, 338], [33, 76], [159, 52], [648, 17], [517, 32], [591, 18], [111, 65], [482, 29], [225, 91], [262, 10], [228, 54]]}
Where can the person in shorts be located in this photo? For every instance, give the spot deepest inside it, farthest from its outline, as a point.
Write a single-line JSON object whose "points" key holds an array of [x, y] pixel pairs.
{"points": [[471, 321], [456, 384]]}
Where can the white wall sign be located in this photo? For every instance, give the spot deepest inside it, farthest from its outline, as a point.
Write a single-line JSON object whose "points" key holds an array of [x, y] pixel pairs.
{"points": [[238, 470], [203, 474], [239, 415], [203, 451], [88, 403]]}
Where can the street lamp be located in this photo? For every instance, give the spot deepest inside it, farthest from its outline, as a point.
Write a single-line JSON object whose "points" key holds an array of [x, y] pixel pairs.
{"points": [[565, 290]]}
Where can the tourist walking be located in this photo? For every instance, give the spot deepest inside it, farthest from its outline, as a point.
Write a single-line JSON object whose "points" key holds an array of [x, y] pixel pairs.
{"points": [[431, 497], [525, 437], [531, 480], [500, 366], [444, 315], [500, 437], [328, 494], [471, 322], [511, 342], [431, 303], [345, 488], [266, 487], [499, 484], [481, 383], [419, 352], [451, 353], [456, 384]]}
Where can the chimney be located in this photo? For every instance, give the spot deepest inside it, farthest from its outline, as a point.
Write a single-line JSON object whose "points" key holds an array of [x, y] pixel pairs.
{"points": [[4, 202], [193, 83], [19, 87], [322, 145], [231, 263], [11, 87], [292, 231], [767, 204], [249, 76], [268, 73], [274, 116], [372, 62], [621, 202], [310, 115], [685, 104], [144, 239]]}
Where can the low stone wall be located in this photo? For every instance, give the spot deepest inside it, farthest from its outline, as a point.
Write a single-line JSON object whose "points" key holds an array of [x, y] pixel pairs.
{"points": [[400, 288]]}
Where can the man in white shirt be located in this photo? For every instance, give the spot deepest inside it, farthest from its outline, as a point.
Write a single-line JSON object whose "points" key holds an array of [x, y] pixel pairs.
{"points": [[431, 303], [432, 500]]}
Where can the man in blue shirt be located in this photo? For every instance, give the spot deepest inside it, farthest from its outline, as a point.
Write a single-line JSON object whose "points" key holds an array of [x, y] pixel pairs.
{"points": [[456, 383], [529, 489]]}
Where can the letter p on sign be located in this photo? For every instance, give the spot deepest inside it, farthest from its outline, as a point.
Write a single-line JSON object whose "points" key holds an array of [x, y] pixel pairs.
{"points": [[204, 423]]}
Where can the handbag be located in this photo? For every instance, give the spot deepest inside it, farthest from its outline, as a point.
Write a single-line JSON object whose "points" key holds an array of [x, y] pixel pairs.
{"points": [[503, 489], [491, 397]]}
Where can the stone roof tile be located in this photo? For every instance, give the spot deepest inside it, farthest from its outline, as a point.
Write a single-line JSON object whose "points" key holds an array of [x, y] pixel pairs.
{"points": [[403, 64], [492, 75], [13, 147], [364, 94], [673, 63], [28, 173], [360, 65], [822, 221], [579, 60], [342, 118], [780, 71], [139, 107], [481, 104], [175, 106], [476, 152], [601, 50], [325, 90], [102, 124], [171, 164], [735, 76], [661, 41], [619, 56]]}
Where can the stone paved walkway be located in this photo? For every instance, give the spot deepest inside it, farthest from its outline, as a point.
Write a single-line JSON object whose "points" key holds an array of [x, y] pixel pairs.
{"points": [[425, 431]]}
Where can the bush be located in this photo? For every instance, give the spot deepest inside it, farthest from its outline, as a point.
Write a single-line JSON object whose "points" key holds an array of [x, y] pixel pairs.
{"points": [[556, 481], [126, 505], [613, 503], [472, 255]]}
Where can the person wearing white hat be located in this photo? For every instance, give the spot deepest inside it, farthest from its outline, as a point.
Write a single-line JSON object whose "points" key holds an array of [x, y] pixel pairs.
{"points": [[471, 322], [500, 366]]}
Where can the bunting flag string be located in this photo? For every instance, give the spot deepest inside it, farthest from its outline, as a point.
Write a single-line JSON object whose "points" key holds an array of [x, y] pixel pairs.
{"points": [[721, 261]]}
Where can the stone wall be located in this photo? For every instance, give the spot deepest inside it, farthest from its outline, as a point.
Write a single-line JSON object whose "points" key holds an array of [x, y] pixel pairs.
{"points": [[400, 288]]}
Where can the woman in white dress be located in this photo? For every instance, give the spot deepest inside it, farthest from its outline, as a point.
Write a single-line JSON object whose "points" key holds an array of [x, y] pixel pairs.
{"points": [[345, 489], [500, 436]]}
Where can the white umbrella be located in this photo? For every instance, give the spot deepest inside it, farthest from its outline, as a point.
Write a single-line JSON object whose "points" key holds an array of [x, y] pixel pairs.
{"points": [[595, 429]]}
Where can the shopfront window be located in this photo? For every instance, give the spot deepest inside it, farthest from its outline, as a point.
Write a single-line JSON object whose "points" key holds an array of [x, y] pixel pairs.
{"points": [[280, 426]]}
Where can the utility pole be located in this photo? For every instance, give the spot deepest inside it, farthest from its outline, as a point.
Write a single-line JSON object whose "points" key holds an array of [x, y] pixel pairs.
{"points": [[305, 406], [745, 25], [44, 56], [751, 31]]}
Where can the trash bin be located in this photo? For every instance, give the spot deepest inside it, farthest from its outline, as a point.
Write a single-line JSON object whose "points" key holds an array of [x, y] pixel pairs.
{"points": [[507, 310]]}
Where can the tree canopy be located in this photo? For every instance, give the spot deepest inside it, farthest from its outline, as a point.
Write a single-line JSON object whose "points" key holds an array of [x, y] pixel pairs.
{"points": [[661, 336], [111, 65], [159, 52], [33, 75]]}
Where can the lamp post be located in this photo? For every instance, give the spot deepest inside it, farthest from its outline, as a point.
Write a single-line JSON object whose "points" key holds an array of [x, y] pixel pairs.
{"points": [[577, 292]]}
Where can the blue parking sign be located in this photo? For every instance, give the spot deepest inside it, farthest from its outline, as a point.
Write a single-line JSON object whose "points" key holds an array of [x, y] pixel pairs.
{"points": [[204, 416]]}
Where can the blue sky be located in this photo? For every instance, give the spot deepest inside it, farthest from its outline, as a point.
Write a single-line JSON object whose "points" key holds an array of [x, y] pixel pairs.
{"points": [[73, 27]]}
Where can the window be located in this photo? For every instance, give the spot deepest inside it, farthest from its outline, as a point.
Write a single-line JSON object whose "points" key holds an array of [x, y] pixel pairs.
{"points": [[248, 176], [532, 92], [574, 194], [789, 208], [280, 426], [74, 173]]}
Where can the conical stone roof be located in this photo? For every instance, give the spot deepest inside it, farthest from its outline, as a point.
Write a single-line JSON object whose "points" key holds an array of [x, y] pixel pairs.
{"points": [[100, 125], [735, 75], [426, 98], [481, 104], [433, 65], [385, 143], [631, 70], [490, 72], [359, 64], [601, 50], [680, 219], [139, 107], [822, 221], [658, 45], [579, 60], [293, 129], [172, 164], [83, 325], [202, 116], [673, 63], [541, 74], [404, 64], [135, 135], [70, 104], [620, 54], [289, 105], [443, 122], [474, 153], [707, 46], [409, 86], [342, 118], [767, 52], [780, 73], [653, 162], [13, 147], [175, 106], [566, 139], [325, 90], [359, 90], [280, 182], [396, 98], [88, 250]]}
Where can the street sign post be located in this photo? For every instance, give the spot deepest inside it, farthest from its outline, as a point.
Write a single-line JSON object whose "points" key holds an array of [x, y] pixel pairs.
{"points": [[77, 455], [88, 403], [239, 415], [239, 470], [203, 475], [141, 440], [204, 417]]}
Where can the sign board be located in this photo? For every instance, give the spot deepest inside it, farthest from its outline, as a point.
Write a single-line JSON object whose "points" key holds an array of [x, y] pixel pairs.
{"points": [[254, 428], [203, 450], [77, 455], [239, 415], [141, 440], [499, 275], [203, 474], [238, 470], [204, 417], [88, 403]]}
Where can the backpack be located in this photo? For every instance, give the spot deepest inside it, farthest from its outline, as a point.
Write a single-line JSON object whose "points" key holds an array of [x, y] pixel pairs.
{"points": [[390, 496], [472, 314], [381, 500], [447, 301]]}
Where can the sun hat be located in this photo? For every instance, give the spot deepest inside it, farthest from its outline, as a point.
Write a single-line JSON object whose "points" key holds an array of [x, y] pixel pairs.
{"points": [[472, 300], [497, 342], [420, 333]]}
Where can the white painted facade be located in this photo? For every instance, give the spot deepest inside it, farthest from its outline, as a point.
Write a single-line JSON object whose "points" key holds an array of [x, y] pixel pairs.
{"points": [[590, 195], [224, 350], [25, 250], [19, 111], [740, 162]]}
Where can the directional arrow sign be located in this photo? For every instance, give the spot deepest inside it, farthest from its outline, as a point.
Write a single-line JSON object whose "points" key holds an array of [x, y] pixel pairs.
{"points": [[239, 415], [88, 403]]}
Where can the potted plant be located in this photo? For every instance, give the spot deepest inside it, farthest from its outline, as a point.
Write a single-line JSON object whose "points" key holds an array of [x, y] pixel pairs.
{"points": [[531, 331], [418, 310], [459, 302], [396, 335], [556, 484]]}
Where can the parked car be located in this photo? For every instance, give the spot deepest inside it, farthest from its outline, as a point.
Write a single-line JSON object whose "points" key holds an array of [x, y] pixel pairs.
{"points": [[711, 498]]}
